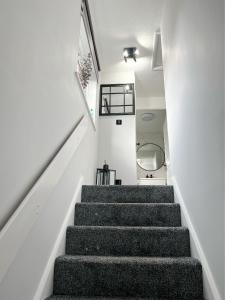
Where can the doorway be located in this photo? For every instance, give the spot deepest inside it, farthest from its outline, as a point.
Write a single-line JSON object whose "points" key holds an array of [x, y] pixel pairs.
{"points": [[152, 147]]}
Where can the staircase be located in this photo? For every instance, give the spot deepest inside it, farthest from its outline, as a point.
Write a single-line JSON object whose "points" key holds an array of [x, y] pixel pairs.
{"points": [[127, 243]]}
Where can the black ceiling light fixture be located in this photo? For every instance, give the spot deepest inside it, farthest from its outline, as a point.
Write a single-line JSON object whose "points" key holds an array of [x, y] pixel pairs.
{"points": [[130, 52]]}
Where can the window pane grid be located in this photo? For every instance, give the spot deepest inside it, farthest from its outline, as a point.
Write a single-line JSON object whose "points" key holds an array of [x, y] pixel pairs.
{"points": [[117, 103]]}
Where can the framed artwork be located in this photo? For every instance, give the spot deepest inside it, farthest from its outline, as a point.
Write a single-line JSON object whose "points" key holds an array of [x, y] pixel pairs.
{"points": [[87, 62]]}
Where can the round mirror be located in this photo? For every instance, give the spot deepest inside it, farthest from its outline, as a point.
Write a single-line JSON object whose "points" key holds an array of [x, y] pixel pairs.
{"points": [[150, 157]]}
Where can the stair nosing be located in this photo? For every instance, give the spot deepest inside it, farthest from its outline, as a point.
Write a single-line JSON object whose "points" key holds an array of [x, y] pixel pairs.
{"points": [[129, 203], [116, 227], [129, 259]]}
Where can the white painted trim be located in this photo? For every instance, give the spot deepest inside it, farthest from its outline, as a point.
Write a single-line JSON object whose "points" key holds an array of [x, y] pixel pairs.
{"points": [[21, 222], [57, 246], [210, 288]]}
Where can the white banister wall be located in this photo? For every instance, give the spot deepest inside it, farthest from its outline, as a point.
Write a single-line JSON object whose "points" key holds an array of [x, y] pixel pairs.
{"points": [[193, 54], [34, 235], [41, 103], [39, 100]]}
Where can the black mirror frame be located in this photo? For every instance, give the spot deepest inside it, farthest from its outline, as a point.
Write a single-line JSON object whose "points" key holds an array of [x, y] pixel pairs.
{"points": [[164, 158]]}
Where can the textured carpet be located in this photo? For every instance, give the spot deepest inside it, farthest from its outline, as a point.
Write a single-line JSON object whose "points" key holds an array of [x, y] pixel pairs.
{"points": [[62, 297], [127, 243], [128, 194], [128, 214], [128, 276]]}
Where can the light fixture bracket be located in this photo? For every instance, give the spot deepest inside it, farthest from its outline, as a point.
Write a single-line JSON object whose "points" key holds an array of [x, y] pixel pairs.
{"points": [[130, 53]]}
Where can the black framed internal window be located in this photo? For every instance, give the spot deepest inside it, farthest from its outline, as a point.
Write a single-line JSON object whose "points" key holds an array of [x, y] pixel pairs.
{"points": [[117, 99]]}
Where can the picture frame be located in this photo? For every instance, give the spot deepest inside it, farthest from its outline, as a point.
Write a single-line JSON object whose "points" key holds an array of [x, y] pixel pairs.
{"points": [[87, 66]]}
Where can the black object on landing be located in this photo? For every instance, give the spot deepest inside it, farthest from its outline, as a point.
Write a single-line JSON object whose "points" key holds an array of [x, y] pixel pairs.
{"points": [[127, 243]]}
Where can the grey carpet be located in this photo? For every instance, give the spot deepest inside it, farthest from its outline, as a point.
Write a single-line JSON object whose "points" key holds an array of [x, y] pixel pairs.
{"points": [[128, 194], [63, 297], [128, 214], [128, 276], [127, 243]]}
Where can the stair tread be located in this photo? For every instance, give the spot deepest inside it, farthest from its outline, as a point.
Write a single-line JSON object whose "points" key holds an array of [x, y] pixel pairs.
{"points": [[128, 214], [127, 203], [124, 276], [64, 297], [128, 259], [129, 228], [128, 241], [131, 193]]}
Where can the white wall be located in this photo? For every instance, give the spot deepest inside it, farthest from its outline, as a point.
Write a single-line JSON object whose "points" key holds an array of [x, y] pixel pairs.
{"points": [[40, 104], [167, 152], [192, 37], [117, 146], [117, 77], [117, 143], [151, 103]]}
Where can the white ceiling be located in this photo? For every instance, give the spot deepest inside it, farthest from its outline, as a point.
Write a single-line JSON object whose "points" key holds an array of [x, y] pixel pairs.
{"points": [[153, 126], [127, 23]]}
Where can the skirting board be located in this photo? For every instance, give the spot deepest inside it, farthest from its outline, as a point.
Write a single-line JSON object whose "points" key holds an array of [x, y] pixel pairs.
{"points": [[211, 291]]}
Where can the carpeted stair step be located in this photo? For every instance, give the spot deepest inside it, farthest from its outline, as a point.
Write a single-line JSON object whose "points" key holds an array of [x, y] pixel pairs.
{"points": [[126, 214], [178, 278], [63, 297], [127, 194], [128, 241]]}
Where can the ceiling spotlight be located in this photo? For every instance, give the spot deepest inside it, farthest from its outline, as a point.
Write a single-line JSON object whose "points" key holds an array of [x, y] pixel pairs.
{"points": [[130, 52]]}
